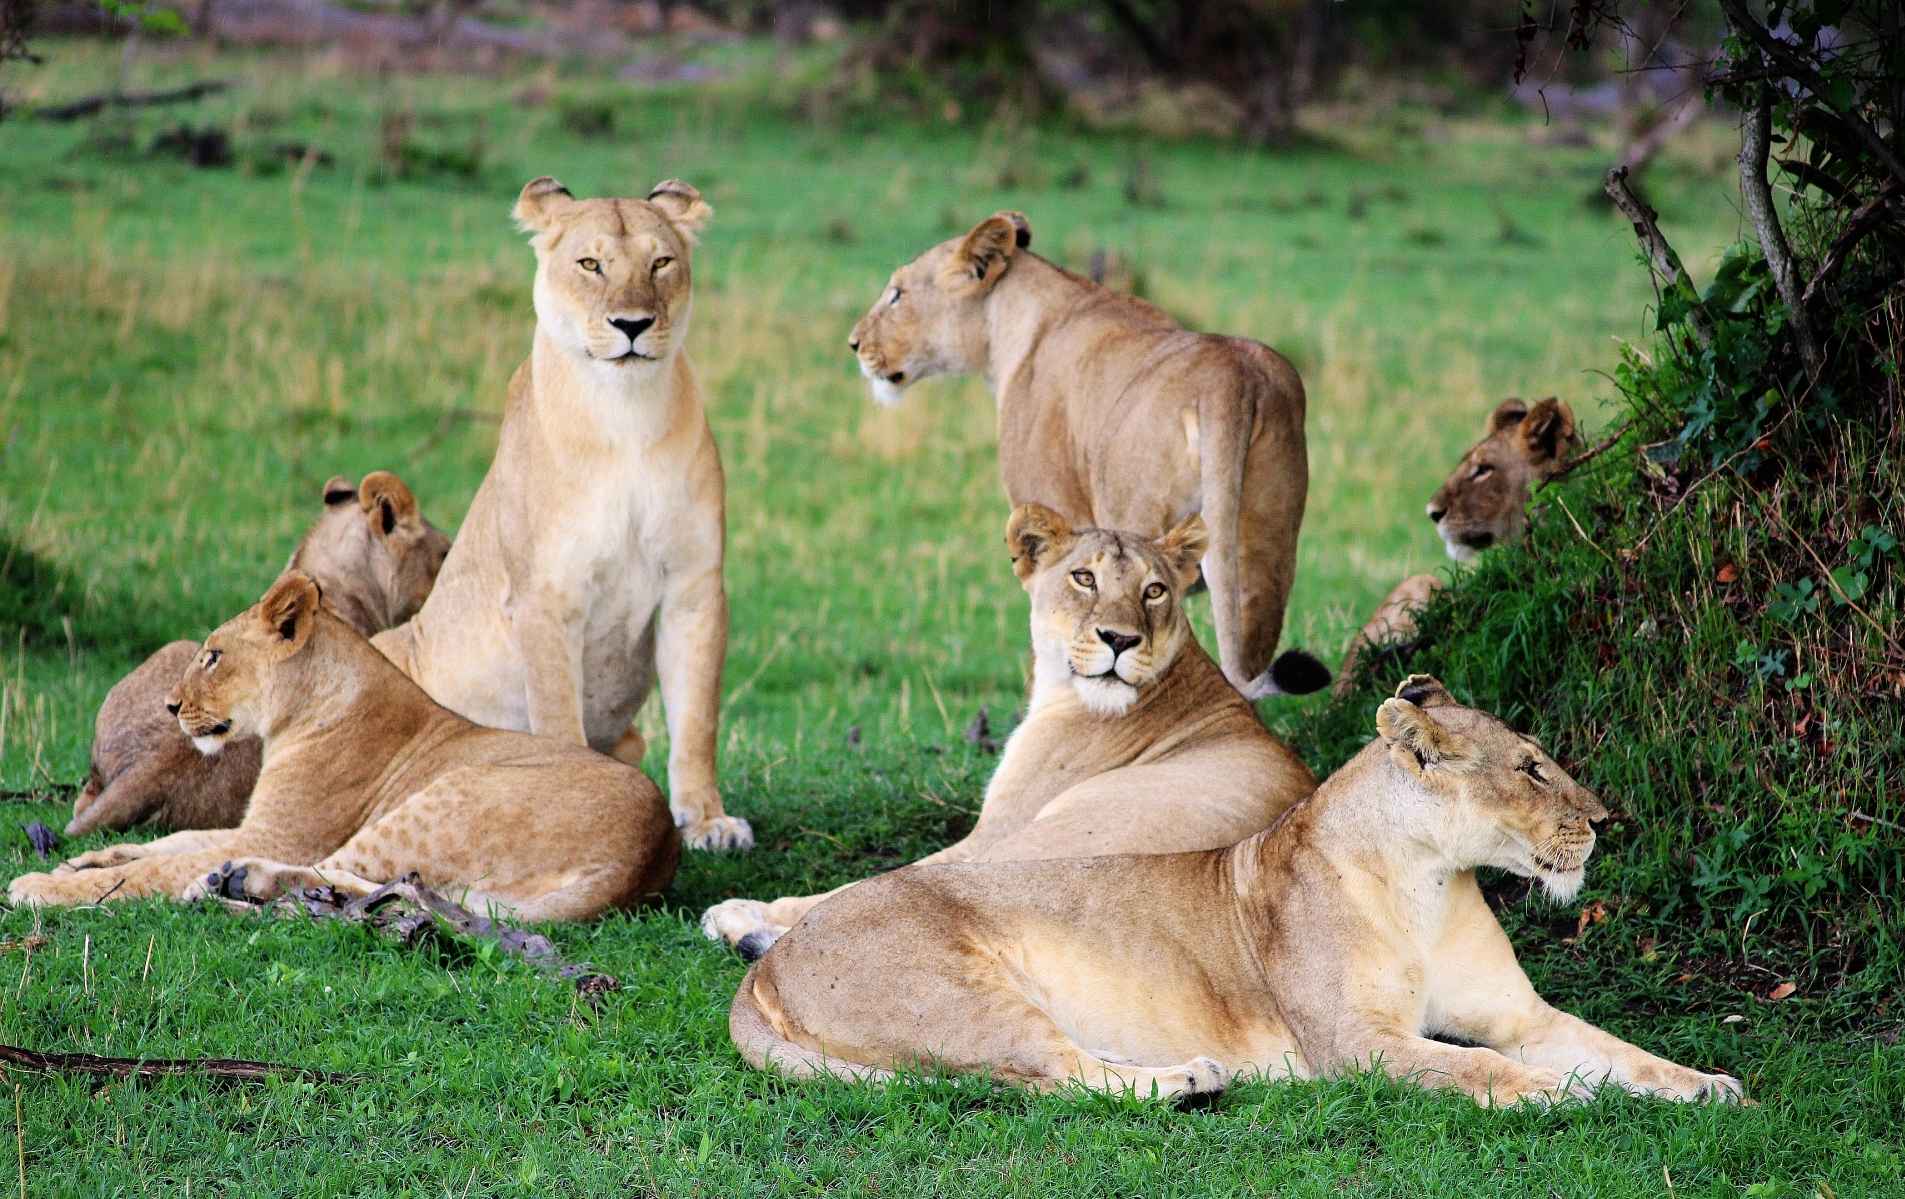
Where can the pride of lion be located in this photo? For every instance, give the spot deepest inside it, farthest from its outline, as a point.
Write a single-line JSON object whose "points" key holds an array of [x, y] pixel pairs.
{"points": [[1156, 895]]}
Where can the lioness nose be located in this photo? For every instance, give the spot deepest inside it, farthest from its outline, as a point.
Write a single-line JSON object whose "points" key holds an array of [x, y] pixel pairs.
{"points": [[853, 343], [633, 328], [172, 706], [1436, 514], [1596, 810], [1119, 642]]}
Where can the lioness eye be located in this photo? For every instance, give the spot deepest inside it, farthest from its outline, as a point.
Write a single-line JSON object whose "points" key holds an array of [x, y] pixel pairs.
{"points": [[589, 264], [1084, 578], [663, 261], [1154, 592], [1483, 471], [895, 297], [1532, 769], [211, 658]]}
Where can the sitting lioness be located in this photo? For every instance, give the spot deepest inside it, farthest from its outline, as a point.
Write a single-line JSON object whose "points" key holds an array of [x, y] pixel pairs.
{"points": [[1344, 937], [376, 558], [1483, 503], [365, 779], [590, 561], [1134, 743], [1114, 416]]}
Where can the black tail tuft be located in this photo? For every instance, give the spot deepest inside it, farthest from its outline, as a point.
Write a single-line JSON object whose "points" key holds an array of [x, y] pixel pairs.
{"points": [[756, 943], [1297, 673]]}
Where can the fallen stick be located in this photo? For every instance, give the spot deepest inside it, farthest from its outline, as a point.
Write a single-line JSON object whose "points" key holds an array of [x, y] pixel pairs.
{"points": [[94, 105], [128, 1067], [408, 910]]}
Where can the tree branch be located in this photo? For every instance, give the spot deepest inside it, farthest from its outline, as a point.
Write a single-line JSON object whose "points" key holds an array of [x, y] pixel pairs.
{"points": [[1755, 144], [126, 1067], [1743, 22], [1865, 219], [1660, 255]]}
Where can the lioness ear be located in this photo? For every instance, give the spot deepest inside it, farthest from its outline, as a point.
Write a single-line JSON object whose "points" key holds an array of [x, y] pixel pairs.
{"points": [[338, 489], [541, 199], [290, 608], [987, 250], [683, 206], [1035, 535], [1183, 547], [1548, 432], [1509, 412], [1425, 691], [1417, 743], [386, 500]]}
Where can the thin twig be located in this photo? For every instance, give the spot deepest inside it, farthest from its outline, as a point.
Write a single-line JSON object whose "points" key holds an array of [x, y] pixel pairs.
{"points": [[1583, 532], [1582, 459], [1894, 826], [1863, 220], [129, 1067]]}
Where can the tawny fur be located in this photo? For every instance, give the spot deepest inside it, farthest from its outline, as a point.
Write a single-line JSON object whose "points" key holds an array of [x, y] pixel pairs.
{"points": [[1483, 503], [375, 556], [365, 779], [590, 562], [1112, 415], [1344, 937], [1142, 750]]}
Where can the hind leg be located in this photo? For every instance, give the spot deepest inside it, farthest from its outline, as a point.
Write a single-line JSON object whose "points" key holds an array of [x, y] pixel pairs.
{"points": [[1270, 515]]}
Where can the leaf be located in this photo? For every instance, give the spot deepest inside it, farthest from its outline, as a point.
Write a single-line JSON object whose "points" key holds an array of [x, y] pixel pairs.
{"points": [[1727, 573], [1851, 582], [1780, 992]]}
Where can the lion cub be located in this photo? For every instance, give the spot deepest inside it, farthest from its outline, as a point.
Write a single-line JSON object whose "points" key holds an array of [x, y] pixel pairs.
{"points": [[1344, 937], [590, 563], [366, 779], [376, 558], [1134, 743], [1483, 503]]}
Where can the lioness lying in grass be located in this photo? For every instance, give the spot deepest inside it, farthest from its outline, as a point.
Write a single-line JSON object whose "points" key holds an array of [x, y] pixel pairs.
{"points": [[1345, 936], [1134, 742], [366, 779]]}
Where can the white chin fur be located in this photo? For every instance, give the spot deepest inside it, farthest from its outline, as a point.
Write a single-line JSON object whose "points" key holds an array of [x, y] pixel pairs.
{"points": [[1105, 697], [885, 394], [1458, 551], [209, 746], [1563, 887]]}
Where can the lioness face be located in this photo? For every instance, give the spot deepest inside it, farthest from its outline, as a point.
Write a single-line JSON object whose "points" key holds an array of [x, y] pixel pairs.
{"points": [[1485, 500], [1107, 608], [931, 318], [1507, 803], [226, 690], [612, 278]]}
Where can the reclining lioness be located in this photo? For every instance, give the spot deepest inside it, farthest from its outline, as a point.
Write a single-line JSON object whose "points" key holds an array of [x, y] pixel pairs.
{"points": [[375, 557], [1483, 503], [366, 779], [1134, 742], [1343, 937], [1114, 416]]}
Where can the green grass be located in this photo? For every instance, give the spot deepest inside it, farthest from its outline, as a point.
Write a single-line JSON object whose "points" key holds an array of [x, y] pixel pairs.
{"points": [[186, 355]]}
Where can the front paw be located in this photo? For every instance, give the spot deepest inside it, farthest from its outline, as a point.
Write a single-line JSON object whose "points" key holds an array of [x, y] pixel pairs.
{"points": [[718, 833], [39, 887], [1714, 1088], [99, 859]]}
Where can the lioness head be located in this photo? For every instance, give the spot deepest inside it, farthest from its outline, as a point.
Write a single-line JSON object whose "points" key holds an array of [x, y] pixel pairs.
{"points": [[1506, 802], [379, 553], [1485, 500], [1107, 608], [930, 320], [612, 278], [228, 690]]}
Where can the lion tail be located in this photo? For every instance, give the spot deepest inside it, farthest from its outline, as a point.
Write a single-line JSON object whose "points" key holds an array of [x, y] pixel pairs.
{"points": [[1246, 640], [762, 1046]]}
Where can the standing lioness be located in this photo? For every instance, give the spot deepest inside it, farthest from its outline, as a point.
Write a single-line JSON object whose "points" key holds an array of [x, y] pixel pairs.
{"points": [[590, 561], [1115, 417], [1347, 935]]}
